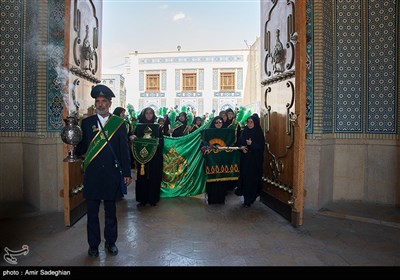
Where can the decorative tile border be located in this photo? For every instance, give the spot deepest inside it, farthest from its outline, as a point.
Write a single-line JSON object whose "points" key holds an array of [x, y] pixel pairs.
{"points": [[141, 80], [164, 80], [189, 94], [31, 46], [11, 61], [329, 67], [310, 73], [192, 59], [382, 52], [201, 79], [55, 56], [152, 94], [227, 94], [239, 77], [349, 72]]}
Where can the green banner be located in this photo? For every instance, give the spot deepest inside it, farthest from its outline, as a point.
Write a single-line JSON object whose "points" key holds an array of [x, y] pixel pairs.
{"points": [[144, 150], [221, 137], [220, 164], [183, 165]]}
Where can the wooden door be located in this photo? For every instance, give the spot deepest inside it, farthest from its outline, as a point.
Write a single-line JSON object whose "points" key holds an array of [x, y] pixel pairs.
{"points": [[74, 203], [81, 71], [283, 56]]}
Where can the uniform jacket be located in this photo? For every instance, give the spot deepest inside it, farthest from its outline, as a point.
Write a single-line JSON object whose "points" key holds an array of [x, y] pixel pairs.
{"points": [[102, 178]]}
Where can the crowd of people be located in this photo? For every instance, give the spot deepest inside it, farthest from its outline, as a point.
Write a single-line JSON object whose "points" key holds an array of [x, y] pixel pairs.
{"points": [[112, 146]]}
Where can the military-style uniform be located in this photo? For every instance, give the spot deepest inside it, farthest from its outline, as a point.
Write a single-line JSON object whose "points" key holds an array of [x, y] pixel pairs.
{"points": [[102, 178]]}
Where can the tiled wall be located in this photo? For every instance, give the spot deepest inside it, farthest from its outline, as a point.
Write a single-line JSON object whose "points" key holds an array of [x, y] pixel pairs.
{"points": [[11, 59], [352, 102], [353, 82], [31, 49], [32, 52]]}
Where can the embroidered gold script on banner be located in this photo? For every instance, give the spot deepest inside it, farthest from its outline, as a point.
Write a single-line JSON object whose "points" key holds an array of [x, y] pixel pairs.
{"points": [[173, 166]]}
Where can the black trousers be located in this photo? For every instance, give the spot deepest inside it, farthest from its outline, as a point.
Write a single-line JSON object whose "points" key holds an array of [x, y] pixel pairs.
{"points": [[93, 223]]}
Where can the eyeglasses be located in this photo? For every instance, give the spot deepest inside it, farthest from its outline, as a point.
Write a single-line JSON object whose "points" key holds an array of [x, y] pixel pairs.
{"points": [[218, 122]]}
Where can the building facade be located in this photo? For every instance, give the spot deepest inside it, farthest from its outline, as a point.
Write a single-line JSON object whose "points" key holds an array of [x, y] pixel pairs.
{"points": [[202, 81], [116, 82], [352, 134]]}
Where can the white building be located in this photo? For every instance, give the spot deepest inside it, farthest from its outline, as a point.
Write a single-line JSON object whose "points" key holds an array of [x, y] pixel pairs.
{"points": [[200, 80], [253, 97], [116, 82]]}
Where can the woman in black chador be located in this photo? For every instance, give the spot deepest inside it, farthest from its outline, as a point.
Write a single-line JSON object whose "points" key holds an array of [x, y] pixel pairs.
{"points": [[181, 126], [196, 124], [216, 191], [232, 123], [148, 185], [252, 142]]}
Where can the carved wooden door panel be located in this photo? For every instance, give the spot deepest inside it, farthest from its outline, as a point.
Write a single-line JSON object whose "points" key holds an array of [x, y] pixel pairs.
{"points": [[81, 68], [283, 55]]}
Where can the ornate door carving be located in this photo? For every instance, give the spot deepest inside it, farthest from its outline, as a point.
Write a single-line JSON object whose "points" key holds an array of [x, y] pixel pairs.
{"points": [[283, 54], [81, 62]]}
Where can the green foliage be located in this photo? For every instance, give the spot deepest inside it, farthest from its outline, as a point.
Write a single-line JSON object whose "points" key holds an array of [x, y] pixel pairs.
{"points": [[245, 117], [240, 114], [172, 116], [131, 110], [190, 118]]}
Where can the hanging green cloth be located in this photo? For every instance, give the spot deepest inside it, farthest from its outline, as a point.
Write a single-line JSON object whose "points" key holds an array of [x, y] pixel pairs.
{"points": [[183, 165], [221, 164]]}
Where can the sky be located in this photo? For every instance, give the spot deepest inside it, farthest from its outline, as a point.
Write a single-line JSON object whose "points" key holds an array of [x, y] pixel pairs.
{"points": [[150, 25]]}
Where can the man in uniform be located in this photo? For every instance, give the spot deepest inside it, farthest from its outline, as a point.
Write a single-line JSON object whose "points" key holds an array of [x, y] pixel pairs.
{"points": [[107, 169]]}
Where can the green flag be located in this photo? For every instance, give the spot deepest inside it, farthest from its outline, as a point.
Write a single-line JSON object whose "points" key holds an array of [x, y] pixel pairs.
{"points": [[221, 164], [183, 165]]}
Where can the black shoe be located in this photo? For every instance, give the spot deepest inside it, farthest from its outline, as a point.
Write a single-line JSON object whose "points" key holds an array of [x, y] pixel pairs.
{"points": [[112, 249], [93, 252], [153, 204], [141, 204]]}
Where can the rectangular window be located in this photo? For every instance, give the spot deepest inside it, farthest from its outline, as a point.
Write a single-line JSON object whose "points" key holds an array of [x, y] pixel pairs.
{"points": [[189, 82], [153, 83], [227, 81]]}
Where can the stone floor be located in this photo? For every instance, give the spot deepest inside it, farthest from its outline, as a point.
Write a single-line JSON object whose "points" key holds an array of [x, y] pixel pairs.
{"points": [[185, 231]]}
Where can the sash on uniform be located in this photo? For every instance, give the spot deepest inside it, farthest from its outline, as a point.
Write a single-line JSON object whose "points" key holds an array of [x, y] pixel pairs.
{"points": [[99, 141], [144, 146]]}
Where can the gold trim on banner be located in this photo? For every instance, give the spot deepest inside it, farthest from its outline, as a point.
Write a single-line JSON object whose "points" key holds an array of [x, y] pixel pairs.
{"points": [[144, 150]]}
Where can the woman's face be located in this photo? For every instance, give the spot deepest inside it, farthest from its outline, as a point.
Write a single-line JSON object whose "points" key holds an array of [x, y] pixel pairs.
{"points": [[149, 115], [231, 115], [182, 117], [250, 123], [198, 122], [218, 123], [224, 117]]}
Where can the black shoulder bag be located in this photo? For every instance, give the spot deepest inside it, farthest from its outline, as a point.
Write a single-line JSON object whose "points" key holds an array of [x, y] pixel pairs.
{"points": [[122, 186]]}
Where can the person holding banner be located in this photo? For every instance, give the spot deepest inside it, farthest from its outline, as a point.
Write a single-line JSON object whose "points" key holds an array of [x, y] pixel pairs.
{"points": [[148, 152], [120, 112], [224, 117], [107, 169], [181, 126], [196, 124], [232, 123], [221, 160], [252, 143]]}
